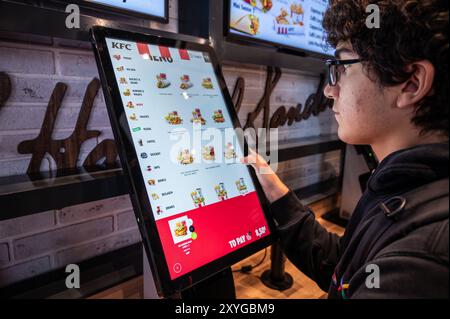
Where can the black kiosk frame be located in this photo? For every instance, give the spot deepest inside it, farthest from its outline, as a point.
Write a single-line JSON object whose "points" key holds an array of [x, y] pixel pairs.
{"points": [[129, 159]]}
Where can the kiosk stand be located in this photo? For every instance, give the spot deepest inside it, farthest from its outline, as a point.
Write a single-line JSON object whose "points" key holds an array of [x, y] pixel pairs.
{"points": [[276, 277]]}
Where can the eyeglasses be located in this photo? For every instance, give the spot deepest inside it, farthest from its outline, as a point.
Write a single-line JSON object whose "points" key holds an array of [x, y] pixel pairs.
{"points": [[336, 67]]}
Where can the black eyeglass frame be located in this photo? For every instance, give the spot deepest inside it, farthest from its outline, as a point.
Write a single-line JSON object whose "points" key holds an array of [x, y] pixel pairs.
{"points": [[333, 73]]}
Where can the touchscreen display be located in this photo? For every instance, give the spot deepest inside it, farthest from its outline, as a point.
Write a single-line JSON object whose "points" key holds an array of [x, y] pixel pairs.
{"points": [[293, 23], [203, 199]]}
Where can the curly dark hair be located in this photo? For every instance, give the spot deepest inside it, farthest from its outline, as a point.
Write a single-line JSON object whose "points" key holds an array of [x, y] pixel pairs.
{"points": [[411, 30]]}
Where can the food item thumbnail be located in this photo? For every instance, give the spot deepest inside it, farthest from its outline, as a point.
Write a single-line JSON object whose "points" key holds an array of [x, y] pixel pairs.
{"points": [[297, 13], [264, 5], [162, 81], [241, 187], [186, 82], [282, 18], [173, 118], [181, 229], [218, 116], [207, 83], [209, 153], [197, 117], [249, 24], [197, 198], [155, 196], [185, 157], [229, 151], [221, 192]]}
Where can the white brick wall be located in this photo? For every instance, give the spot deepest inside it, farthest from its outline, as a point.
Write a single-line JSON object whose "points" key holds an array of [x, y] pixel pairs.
{"points": [[38, 243]]}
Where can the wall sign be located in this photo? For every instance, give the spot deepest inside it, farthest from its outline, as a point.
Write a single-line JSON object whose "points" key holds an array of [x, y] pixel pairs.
{"points": [[66, 152], [315, 104]]}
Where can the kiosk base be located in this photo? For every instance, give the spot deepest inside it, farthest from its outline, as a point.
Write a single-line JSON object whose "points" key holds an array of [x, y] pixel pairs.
{"points": [[280, 284], [219, 286]]}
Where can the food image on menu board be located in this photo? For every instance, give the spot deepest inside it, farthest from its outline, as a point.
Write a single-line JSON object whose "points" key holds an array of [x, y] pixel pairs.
{"points": [[221, 192], [197, 117], [173, 118], [208, 153], [264, 5], [248, 23], [290, 21], [133, 117], [182, 229], [197, 198], [130, 105], [282, 17], [155, 196], [186, 82], [297, 13], [162, 81], [229, 151], [207, 83], [185, 157], [241, 187], [218, 116]]}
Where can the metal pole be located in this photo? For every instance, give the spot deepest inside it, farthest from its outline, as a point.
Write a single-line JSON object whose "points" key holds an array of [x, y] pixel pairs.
{"points": [[276, 277]]}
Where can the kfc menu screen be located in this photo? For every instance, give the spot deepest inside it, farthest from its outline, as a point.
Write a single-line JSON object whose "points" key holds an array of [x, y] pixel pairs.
{"points": [[203, 199], [295, 23]]}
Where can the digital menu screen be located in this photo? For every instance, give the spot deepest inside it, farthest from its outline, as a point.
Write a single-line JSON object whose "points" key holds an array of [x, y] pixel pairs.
{"points": [[291, 23], [203, 199], [155, 8]]}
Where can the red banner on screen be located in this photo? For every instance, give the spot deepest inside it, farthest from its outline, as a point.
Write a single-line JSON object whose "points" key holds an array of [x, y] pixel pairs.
{"points": [[165, 52], [197, 237], [184, 54], [143, 49]]}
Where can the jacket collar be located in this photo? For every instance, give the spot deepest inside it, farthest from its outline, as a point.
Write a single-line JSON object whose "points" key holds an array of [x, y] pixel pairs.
{"points": [[411, 168]]}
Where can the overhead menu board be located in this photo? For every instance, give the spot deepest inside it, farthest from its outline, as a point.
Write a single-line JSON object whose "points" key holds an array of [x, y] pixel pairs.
{"points": [[293, 24]]}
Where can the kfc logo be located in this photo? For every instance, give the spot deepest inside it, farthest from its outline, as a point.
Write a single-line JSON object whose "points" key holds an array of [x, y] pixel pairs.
{"points": [[121, 46]]}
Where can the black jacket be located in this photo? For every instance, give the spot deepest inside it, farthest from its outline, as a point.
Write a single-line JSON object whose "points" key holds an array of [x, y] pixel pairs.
{"points": [[400, 225]]}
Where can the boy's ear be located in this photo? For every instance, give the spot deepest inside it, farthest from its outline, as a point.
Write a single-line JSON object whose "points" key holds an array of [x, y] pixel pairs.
{"points": [[418, 86]]}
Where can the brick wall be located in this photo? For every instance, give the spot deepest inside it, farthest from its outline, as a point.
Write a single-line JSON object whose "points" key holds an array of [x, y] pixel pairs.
{"points": [[38, 243]]}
